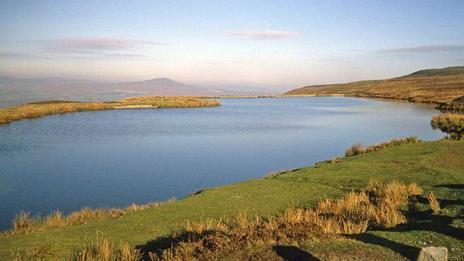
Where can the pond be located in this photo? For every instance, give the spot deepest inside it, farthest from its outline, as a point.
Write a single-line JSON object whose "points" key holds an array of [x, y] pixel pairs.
{"points": [[115, 158]]}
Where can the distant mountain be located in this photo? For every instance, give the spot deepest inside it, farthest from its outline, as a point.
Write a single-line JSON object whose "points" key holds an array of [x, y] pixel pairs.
{"points": [[163, 86], [431, 85], [21, 90]]}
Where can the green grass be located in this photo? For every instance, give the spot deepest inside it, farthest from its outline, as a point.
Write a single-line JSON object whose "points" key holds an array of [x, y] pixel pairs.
{"points": [[429, 164]]}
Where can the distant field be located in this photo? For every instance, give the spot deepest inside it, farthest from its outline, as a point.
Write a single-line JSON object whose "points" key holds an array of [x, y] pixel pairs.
{"points": [[437, 167], [431, 86], [44, 108]]}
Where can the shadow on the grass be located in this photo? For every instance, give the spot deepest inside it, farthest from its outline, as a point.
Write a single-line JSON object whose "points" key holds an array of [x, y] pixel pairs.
{"points": [[160, 244], [420, 221], [293, 253], [417, 221], [407, 251]]}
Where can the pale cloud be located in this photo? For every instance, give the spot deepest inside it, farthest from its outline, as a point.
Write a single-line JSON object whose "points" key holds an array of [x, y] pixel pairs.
{"points": [[426, 49], [16, 55], [263, 35], [95, 44], [97, 47]]}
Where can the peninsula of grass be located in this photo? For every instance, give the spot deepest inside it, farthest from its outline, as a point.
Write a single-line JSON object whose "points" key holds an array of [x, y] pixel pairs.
{"points": [[439, 86], [44, 108], [436, 166]]}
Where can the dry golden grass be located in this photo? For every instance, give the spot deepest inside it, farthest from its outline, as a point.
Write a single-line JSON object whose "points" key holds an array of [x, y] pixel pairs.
{"points": [[35, 110], [376, 206], [433, 88], [277, 173], [434, 204], [355, 149], [25, 223], [169, 101], [354, 213], [450, 123], [105, 250], [358, 149], [40, 109], [452, 106], [414, 190]]}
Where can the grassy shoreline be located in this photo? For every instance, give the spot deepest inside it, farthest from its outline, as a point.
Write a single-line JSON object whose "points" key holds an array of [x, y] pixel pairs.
{"points": [[436, 166], [45, 108]]}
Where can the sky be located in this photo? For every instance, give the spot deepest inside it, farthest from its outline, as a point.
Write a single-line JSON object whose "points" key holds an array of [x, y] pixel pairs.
{"points": [[260, 43]]}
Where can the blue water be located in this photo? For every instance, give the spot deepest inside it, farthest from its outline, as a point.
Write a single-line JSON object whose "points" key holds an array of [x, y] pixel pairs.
{"points": [[115, 158]]}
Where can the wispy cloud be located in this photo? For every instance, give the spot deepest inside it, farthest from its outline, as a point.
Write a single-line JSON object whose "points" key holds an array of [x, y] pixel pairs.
{"points": [[95, 44], [426, 49], [97, 47], [263, 35], [15, 55]]}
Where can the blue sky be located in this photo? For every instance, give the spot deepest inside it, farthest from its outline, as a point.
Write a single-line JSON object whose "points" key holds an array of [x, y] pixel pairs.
{"points": [[262, 43]]}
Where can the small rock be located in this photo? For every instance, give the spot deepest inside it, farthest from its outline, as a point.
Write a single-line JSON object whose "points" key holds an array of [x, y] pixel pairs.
{"points": [[433, 254]]}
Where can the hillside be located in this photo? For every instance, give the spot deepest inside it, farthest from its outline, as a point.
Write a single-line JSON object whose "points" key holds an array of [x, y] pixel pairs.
{"points": [[435, 166], [429, 86]]}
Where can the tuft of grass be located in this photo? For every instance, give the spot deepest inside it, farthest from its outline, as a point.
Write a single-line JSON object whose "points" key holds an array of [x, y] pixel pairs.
{"points": [[24, 223], [277, 173], [358, 149], [355, 149], [434, 204], [105, 250], [352, 214], [450, 123]]}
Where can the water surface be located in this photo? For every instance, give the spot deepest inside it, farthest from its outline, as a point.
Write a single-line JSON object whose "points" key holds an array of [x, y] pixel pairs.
{"points": [[115, 158]]}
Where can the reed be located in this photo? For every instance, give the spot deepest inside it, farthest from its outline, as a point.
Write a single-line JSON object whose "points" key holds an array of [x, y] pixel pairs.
{"points": [[24, 223], [358, 149]]}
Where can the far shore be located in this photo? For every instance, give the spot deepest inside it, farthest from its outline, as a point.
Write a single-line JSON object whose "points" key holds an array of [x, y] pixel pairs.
{"points": [[45, 108]]}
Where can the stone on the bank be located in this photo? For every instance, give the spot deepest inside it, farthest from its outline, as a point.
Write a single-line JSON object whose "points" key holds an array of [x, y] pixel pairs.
{"points": [[433, 254]]}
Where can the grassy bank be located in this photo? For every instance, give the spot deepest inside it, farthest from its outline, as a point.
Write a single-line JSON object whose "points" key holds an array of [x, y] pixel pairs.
{"points": [[441, 86], [41, 109], [437, 167]]}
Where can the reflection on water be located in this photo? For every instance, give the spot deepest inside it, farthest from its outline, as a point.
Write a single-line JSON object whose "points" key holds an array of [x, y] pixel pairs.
{"points": [[114, 158]]}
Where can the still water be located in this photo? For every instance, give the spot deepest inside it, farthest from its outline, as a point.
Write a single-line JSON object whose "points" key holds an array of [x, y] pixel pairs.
{"points": [[115, 158]]}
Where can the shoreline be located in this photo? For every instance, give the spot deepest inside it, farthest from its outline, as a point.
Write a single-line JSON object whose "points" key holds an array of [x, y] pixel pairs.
{"points": [[46, 108], [268, 196], [117, 212]]}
